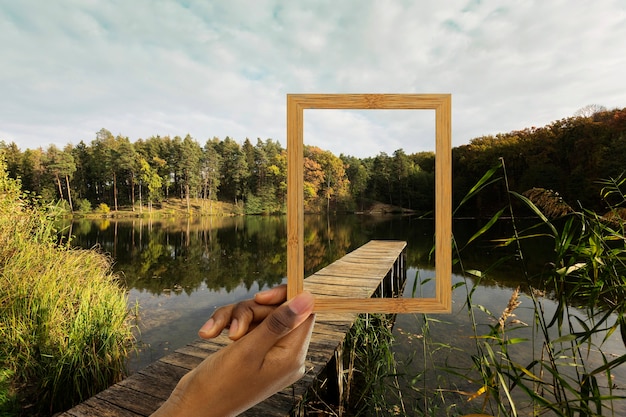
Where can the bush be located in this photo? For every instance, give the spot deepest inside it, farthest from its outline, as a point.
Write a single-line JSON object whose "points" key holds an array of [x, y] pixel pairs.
{"points": [[103, 208], [83, 205], [64, 330]]}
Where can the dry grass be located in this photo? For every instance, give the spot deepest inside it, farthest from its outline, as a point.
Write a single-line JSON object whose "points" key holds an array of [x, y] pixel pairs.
{"points": [[513, 303], [550, 202]]}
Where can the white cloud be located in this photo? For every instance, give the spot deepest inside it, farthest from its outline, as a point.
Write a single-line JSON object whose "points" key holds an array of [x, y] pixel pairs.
{"points": [[369, 132], [144, 68]]}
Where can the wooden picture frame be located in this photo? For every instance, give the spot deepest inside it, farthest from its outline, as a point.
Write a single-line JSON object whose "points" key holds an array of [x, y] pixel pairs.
{"points": [[441, 103]]}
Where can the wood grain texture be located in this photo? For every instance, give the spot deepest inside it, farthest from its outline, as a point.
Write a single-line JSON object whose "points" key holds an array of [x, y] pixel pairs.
{"points": [[368, 101], [143, 392], [295, 197], [442, 104]]}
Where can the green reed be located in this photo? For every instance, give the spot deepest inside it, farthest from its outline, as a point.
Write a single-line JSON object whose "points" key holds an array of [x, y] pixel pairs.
{"points": [[362, 376], [371, 374], [64, 323], [569, 372], [587, 273]]}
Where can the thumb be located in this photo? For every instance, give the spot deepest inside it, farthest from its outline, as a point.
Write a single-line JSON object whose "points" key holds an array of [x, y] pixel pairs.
{"points": [[283, 320]]}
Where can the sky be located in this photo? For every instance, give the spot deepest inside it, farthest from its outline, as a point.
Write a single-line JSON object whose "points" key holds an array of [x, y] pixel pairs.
{"points": [[212, 68]]}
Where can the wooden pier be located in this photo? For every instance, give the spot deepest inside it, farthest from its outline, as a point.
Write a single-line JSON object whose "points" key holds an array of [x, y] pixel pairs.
{"points": [[375, 269]]}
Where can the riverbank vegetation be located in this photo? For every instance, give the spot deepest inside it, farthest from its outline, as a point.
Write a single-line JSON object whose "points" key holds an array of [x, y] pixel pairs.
{"points": [[111, 173], [64, 323], [557, 363], [570, 371]]}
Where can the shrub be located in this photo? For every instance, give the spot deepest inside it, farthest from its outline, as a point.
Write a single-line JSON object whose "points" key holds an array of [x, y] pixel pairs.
{"points": [[64, 330], [103, 208], [83, 205]]}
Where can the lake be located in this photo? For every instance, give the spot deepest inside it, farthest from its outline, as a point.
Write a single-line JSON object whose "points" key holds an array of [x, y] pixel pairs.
{"points": [[178, 271]]}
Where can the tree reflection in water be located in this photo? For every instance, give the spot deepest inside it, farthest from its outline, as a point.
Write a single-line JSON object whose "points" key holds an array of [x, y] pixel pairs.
{"points": [[180, 270]]}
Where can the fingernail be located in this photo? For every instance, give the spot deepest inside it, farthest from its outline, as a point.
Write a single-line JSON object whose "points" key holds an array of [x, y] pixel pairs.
{"points": [[234, 326], [207, 327], [302, 303]]}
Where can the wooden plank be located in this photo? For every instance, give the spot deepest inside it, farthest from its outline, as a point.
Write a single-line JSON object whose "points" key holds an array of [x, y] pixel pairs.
{"points": [[180, 359], [330, 329], [150, 385], [336, 317], [155, 382], [164, 371], [338, 278], [339, 292], [131, 400], [94, 407], [278, 405], [323, 346]]}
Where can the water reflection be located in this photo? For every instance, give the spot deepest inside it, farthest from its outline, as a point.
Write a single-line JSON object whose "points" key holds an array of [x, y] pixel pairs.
{"points": [[179, 270], [436, 352], [224, 253]]}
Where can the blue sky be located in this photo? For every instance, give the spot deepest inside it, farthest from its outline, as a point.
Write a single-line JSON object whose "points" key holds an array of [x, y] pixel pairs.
{"points": [[223, 68]]}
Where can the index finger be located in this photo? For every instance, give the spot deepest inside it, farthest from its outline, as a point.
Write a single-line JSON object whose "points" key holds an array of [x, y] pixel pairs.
{"points": [[239, 318], [273, 296]]}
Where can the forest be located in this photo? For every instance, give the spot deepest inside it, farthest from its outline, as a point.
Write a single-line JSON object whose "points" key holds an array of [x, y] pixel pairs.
{"points": [[568, 157]]}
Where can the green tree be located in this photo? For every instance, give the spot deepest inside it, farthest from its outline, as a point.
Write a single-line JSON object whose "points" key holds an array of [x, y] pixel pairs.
{"points": [[380, 187], [401, 168], [271, 160], [189, 167], [69, 167], [153, 181], [267, 178], [60, 165], [84, 181], [210, 171], [358, 176], [234, 169], [278, 172], [126, 164], [157, 151], [33, 170], [104, 163], [250, 181], [12, 158]]}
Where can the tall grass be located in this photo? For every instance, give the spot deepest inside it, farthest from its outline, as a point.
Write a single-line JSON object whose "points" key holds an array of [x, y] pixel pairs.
{"points": [[554, 365], [359, 383], [64, 329], [370, 365], [587, 273]]}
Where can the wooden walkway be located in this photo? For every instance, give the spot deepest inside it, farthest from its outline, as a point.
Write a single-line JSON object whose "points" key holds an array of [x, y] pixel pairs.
{"points": [[360, 274]]}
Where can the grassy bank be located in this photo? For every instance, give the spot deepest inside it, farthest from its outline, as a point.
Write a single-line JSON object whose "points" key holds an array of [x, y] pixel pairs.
{"points": [[177, 207], [173, 207], [64, 329]]}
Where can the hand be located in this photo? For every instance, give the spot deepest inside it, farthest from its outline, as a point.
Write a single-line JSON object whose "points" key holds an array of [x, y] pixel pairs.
{"points": [[259, 364], [244, 316]]}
